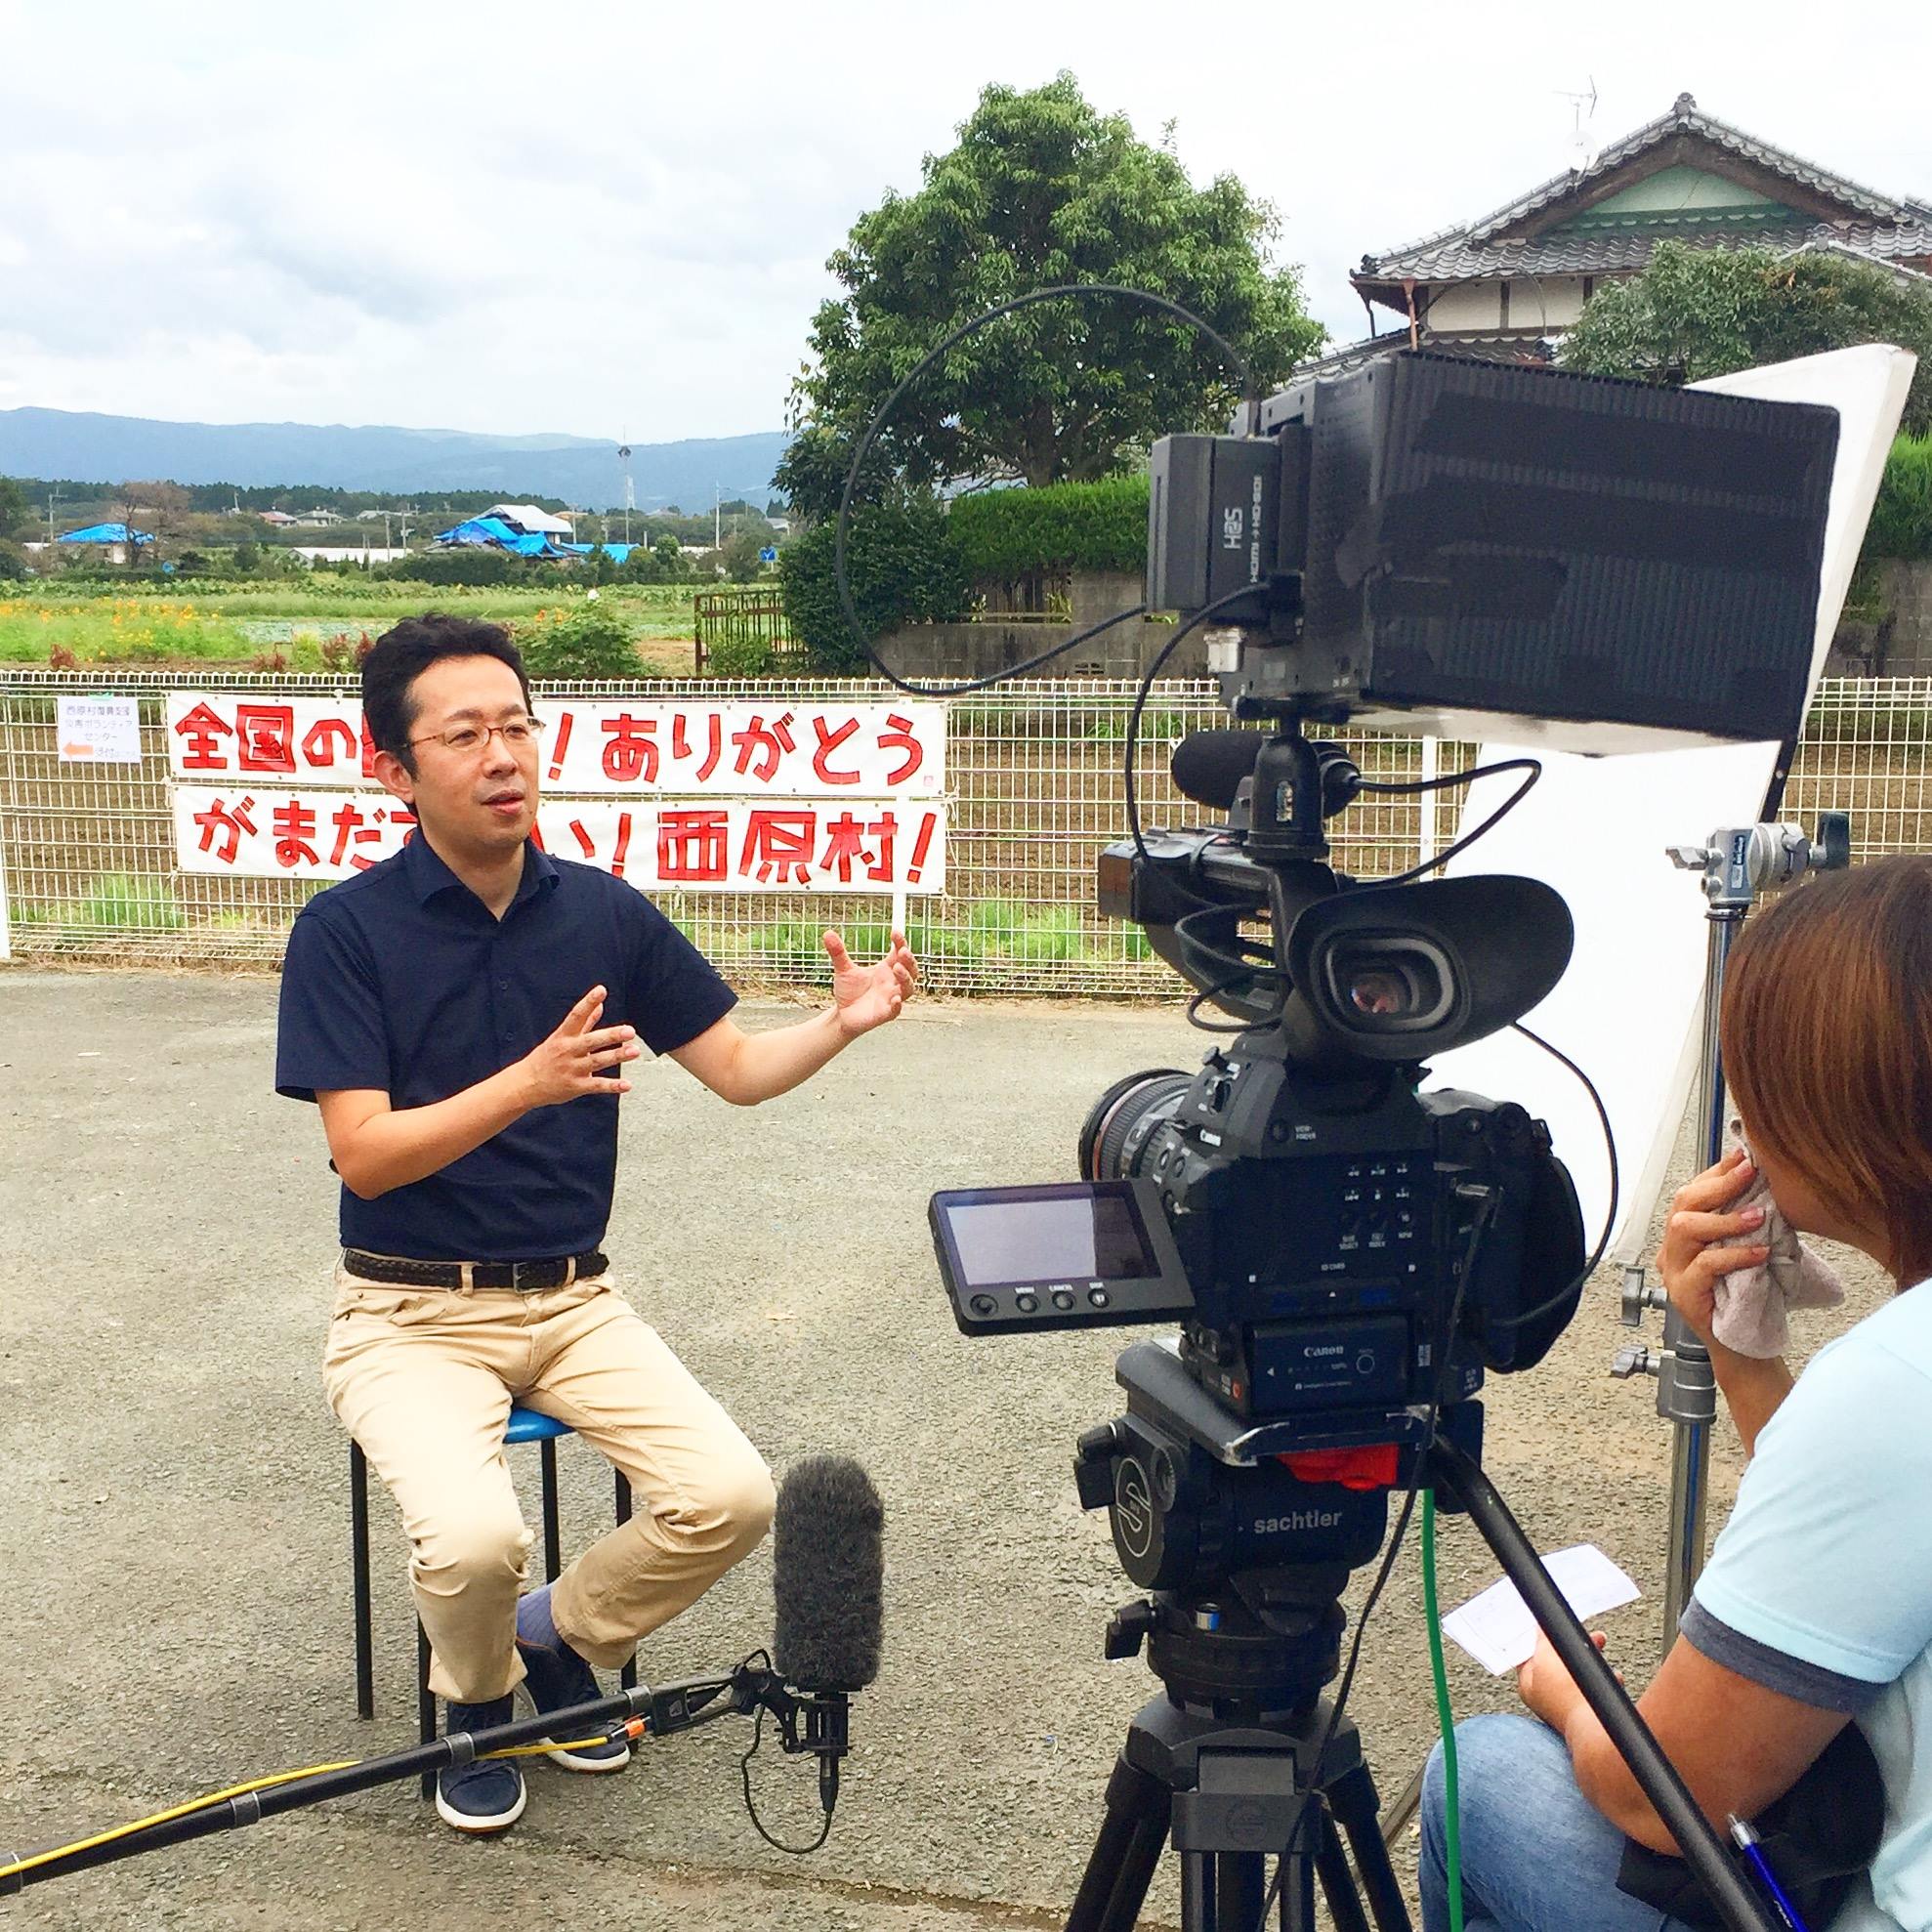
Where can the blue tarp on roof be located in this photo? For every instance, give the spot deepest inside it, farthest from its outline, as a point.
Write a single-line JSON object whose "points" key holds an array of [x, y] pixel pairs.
{"points": [[617, 552], [106, 534], [480, 531], [493, 534]]}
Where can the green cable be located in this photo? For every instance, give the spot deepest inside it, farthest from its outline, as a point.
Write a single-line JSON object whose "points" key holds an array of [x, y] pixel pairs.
{"points": [[1445, 1717]]}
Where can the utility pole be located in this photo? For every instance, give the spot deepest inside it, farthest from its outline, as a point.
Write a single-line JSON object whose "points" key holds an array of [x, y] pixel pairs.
{"points": [[717, 497]]}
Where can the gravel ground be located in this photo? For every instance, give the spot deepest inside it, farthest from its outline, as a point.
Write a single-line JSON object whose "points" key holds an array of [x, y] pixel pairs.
{"points": [[173, 1488]]}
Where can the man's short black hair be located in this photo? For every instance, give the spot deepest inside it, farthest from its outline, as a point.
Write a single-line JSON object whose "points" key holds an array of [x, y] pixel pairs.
{"points": [[404, 651]]}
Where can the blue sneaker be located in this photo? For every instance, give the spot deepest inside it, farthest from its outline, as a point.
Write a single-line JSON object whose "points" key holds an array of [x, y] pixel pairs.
{"points": [[554, 1679], [486, 1796]]}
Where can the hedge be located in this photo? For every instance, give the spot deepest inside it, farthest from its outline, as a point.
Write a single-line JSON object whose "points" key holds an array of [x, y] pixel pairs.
{"points": [[1007, 533], [1902, 518], [904, 568]]}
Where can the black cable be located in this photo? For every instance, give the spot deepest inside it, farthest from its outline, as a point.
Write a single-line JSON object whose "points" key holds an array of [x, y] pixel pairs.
{"points": [[1533, 766], [1076, 291], [1165, 651], [751, 1809], [1590, 1267]]}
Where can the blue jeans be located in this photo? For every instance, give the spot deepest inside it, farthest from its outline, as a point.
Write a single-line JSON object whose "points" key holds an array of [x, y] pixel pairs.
{"points": [[1537, 1855]]}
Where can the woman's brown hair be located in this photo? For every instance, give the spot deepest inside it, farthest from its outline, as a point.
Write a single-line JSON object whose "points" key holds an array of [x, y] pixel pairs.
{"points": [[1826, 1039]]}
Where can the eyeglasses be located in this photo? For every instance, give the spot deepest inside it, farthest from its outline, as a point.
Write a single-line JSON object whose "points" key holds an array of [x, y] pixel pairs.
{"points": [[518, 735]]}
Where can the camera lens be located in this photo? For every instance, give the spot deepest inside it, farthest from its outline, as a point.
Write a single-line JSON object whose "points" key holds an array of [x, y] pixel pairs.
{"points": [[1115, 1136]]}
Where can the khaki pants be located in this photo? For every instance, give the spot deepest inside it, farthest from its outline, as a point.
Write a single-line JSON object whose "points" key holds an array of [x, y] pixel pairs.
{"points": [[423, 1378]]}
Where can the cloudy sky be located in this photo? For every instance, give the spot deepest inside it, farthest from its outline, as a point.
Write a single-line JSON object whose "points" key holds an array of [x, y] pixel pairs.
{"points": [[613, 219]]}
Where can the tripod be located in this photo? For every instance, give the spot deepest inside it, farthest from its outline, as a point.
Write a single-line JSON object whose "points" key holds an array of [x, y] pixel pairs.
{"points": [[1210, 1765], [1224, 1763]]}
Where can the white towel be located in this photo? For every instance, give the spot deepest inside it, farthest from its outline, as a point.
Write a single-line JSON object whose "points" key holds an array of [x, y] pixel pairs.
{"points": [[1750, 1315]]}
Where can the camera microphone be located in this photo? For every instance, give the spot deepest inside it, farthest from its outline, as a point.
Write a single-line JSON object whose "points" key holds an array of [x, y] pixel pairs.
{"points": [[1208, 766], [827, 1587]]}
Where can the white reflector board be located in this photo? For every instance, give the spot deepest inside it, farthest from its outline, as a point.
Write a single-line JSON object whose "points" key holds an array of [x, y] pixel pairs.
{"points": [[1628, 1010]]}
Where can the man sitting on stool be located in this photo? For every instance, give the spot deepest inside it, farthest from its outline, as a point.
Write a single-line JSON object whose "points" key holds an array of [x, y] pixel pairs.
{"points": [[461, 1013]]}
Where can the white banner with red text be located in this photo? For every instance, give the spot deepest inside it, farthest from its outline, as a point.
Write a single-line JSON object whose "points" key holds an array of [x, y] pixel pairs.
{"points": [[733, 748], [842, 845]]}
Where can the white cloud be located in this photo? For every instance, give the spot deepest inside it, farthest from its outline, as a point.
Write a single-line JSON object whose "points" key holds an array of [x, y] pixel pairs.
{"points": [[617, 218]]}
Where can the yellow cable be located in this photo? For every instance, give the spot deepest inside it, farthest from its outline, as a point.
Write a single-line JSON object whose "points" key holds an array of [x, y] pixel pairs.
{"points": [[20, 1865], [164, 1817]]}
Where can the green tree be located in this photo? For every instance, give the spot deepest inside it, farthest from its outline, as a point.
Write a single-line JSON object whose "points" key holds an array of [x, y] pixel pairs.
{"points": [[14, 507], [1705, 312], [739, 554], [1041, 190]]}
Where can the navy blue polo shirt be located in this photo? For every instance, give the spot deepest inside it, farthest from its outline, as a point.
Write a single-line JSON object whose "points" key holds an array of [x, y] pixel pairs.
{"points": [[400, 980]]}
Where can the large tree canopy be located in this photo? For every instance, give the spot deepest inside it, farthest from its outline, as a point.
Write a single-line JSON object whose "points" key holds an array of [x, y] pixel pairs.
{"points": [[1705, 312], [1041, 190]]}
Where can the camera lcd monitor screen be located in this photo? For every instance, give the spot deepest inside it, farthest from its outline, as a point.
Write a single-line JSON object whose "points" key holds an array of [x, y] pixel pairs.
{"points": [[1074, 1236]]}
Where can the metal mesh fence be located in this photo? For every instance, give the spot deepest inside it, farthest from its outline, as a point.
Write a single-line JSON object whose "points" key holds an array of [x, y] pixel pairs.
{"points": [[1033, 771]]}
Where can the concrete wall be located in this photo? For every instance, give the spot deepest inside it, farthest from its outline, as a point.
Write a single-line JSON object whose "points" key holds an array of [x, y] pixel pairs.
{"points": [[983, 650], [1897, 643]]}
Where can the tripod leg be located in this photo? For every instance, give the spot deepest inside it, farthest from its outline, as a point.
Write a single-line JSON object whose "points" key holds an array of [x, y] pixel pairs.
{"points": [[1352, 1799], [1299, 1880], [1241, 1884], [1120, 1865], [1337, 1880]]}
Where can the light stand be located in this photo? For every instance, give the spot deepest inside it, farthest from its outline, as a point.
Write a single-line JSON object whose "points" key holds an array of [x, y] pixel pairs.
{"points": [[1738, 863]]}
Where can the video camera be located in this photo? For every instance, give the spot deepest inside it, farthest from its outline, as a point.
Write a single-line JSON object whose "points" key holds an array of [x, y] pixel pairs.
{"points": [[1471, 550], [1470, 547]]}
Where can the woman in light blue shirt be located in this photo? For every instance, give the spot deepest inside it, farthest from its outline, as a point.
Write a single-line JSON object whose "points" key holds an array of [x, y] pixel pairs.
{"points": [[1816, 1608]]}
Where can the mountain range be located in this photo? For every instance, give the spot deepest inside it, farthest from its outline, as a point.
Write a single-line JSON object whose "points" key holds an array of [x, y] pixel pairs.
{"points": [[55, 444]]}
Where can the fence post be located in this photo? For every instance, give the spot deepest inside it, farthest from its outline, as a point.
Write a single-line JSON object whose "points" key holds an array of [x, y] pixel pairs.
{"points": [[1427, 838]]}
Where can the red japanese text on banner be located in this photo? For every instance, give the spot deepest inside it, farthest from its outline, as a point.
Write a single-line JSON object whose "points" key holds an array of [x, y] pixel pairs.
{"points": [[263, 831], [784, 747], [754, 845], [876, 846]]}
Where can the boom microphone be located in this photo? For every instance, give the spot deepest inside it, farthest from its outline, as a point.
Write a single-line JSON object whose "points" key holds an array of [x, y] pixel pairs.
{"points": [[827, 1576], [828, 1585], [1208, 766]]}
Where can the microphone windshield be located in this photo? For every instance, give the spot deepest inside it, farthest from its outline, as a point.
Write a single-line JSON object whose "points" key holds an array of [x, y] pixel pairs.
{"points": [[1208, 766], [827, 1576]]}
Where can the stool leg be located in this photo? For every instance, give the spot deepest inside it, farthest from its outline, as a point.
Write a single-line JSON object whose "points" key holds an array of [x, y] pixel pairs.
{"points": [[358, 1551], [552, 1536], [628, 1675], [425, 1699]]}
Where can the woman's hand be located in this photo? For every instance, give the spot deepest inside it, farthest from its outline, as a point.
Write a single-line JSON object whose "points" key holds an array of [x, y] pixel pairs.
{"points": [[1696, 1254]]}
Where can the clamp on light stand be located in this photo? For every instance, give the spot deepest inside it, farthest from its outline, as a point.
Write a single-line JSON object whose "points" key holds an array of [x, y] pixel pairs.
{"points": [[1738, 863]]}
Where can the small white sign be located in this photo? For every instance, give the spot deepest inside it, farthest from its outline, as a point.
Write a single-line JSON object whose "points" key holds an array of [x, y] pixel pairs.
{"points": [[1496, 1629], [99, 730]]}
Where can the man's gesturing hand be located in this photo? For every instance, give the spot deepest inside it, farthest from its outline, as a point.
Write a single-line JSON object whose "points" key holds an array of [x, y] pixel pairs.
{"points": [[568, 1063], [867, 996]]}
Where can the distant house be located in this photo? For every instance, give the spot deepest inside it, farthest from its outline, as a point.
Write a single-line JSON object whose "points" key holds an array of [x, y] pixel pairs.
{"points": [[527, 520], [275, 518], [1503, 286], [110, 540], [316, 519]]}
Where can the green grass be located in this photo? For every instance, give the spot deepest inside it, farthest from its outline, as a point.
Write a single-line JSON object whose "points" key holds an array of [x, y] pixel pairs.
{"points": [[989, 929], [113, 901], [105, 625]]}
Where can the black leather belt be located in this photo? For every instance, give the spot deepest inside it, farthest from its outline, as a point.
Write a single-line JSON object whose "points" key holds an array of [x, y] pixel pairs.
{"points": [[526, 1278]]}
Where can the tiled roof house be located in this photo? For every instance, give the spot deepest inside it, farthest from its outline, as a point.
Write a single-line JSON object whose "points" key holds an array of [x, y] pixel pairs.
{"points": [[1504, 285]]}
